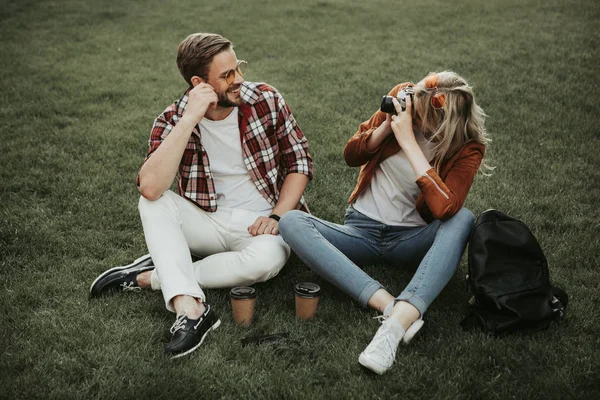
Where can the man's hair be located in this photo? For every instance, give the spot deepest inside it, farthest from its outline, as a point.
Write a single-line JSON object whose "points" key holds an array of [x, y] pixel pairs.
{"points": [[196, 52]]}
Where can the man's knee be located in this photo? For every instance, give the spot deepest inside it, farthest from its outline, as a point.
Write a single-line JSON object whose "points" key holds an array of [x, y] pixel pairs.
{"points": [[146, 206], [270, 255]]}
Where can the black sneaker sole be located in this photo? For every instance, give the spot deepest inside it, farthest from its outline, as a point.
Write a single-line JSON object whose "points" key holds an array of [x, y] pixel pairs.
{"points": [[212, 328], [138, 261]]}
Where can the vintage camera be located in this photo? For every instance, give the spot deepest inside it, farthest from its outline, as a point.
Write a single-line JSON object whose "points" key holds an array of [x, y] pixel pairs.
{"points": [[387, 105]]}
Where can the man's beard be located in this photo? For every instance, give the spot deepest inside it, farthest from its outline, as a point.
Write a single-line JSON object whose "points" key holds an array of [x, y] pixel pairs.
{"points": [[225, 102]]}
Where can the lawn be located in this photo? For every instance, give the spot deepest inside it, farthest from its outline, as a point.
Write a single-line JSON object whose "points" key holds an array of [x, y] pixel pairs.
{"points": [[82, 82]]}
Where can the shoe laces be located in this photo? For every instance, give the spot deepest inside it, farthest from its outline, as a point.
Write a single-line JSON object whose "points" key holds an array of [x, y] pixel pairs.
{"points": [[384, 344], [179, 322], [130, 287], [202, 317]]}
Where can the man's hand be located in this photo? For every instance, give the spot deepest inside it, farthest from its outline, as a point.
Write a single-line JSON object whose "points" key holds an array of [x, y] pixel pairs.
{"points": [[264, 226], [200, 99]]}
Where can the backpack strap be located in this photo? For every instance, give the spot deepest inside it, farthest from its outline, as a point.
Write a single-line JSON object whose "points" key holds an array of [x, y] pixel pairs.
{"points": [[559, 301]]}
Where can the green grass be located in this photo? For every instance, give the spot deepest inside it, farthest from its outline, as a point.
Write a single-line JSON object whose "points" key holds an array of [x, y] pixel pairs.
{"points": [[81, 84]]}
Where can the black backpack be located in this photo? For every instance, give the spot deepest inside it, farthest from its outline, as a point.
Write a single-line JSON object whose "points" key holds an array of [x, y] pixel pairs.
{"points": [[508, 278]]}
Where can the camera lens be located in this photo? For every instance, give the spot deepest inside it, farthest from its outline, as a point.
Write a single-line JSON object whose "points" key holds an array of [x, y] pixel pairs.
{"points": [[387, 105]]}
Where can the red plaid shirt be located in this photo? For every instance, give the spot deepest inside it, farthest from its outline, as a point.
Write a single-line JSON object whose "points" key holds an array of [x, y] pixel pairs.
{"points": [[273, 146]]}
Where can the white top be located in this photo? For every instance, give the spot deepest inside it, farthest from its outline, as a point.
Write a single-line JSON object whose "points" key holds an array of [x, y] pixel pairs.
{"points": [[392, 194], [233, 183]]}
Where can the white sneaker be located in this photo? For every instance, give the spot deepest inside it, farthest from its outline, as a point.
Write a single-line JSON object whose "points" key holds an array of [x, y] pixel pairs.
{"points": [[412, 330], [381, 352]]}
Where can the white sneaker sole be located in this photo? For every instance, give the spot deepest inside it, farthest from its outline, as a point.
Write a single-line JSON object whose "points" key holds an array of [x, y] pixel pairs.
{"points": [[102, 275], [412, 331], [212, 328], [367, 362]]}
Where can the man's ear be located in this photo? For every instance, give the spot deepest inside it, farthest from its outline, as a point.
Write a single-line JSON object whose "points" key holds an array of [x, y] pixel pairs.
{"points": [[196, 80]]}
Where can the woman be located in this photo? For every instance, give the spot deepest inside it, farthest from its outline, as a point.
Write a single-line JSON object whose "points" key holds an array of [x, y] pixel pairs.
{"points": [[406, 209]]}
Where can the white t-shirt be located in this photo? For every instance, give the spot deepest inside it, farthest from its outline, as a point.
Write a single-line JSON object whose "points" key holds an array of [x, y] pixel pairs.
{"points": [[233, 183], [392, 194]]}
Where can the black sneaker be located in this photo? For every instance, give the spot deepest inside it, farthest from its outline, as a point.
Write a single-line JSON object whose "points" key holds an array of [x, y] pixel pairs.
{"points": [[188, 334], [121, 278]]}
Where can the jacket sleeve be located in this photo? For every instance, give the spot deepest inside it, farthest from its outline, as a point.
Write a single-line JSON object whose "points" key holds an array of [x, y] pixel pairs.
{"points": [[445, 198], [355, 151]]}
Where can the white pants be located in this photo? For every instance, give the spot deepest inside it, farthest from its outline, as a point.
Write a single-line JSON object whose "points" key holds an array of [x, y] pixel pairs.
{"points": [[175, 228]]}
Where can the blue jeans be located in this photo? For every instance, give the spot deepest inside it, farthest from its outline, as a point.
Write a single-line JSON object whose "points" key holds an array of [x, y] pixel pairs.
{"points": [[335, 251]]}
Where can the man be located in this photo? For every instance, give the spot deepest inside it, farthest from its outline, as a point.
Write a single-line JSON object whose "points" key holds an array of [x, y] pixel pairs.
{"points": [[241, 162]]}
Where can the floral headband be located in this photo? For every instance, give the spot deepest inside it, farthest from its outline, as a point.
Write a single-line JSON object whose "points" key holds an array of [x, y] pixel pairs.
{"points": [[438, 99]]}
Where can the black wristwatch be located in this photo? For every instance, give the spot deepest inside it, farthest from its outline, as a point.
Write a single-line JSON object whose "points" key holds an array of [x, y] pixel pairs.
{"points": [[275, 217]]}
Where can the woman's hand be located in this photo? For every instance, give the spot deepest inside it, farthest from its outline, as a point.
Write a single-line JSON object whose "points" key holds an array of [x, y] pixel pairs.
{"points": [[403, 131], [387, 123], [402, 123]]}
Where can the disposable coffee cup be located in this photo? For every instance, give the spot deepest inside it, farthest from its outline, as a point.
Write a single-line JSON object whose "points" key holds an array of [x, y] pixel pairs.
{"points": [[307, 299], [243, 299]]}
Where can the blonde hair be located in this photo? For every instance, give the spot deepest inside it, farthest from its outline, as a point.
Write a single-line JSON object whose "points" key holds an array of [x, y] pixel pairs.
{"points": [[459, 121]]}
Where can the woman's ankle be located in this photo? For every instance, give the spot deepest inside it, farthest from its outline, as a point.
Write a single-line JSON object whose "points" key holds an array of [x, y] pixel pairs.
{"points": [[380, 299], [405, 313]]}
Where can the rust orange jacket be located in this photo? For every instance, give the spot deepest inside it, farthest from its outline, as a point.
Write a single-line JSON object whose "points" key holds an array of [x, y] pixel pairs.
{"points": [[442, 195]]}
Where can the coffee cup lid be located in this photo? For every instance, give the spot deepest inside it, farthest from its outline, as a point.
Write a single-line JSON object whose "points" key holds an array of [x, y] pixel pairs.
{"points": [[307, 289], [242, 292]]}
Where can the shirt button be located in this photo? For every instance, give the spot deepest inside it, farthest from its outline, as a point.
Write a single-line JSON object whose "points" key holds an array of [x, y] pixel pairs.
{"points": [[208, 176], [212, 197]]}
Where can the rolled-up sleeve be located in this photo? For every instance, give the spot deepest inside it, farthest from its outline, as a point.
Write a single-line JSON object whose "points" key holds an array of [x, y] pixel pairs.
{"points": [[355, 151], [160, 129], [293, 145]]}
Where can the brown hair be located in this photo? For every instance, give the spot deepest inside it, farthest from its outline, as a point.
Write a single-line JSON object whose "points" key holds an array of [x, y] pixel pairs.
{"points": [[196, 52]]}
